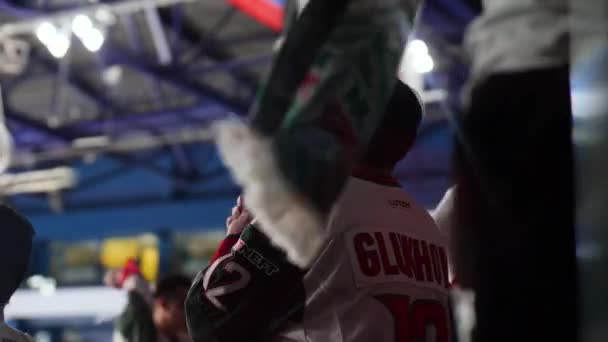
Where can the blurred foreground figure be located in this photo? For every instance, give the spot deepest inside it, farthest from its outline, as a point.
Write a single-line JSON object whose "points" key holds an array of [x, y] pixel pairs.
{"points": [[150, 316], [381, 276], [513, 237], [339, 59], [16, 237]]}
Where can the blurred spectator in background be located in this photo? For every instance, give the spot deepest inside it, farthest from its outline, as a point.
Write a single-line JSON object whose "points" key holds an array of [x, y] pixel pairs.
{"points": [[15, 249], [150, 316], [168, 309], [513, 237]]}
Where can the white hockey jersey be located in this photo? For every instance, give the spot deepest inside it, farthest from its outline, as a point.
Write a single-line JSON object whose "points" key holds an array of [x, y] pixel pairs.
{"points": [[383, 275]]}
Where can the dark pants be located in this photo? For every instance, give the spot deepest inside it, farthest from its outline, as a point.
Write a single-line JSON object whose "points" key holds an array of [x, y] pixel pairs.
{"points": [[514, 243]]}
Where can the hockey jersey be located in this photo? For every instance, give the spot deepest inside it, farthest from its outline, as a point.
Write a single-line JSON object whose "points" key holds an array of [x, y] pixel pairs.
{"points": [[136, 323], [382, 276]]}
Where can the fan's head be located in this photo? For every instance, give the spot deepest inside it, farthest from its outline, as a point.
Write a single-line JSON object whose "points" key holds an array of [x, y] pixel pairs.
{"points": [[393, 137], [396, 131]]}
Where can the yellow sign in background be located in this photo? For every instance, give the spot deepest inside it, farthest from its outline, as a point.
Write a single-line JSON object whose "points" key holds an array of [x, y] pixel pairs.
{"points": [[116, 252]]}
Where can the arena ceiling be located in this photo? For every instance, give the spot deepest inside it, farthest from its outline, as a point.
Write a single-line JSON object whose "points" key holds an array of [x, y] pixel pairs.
{"points": [[215, 56], [136, 108]]}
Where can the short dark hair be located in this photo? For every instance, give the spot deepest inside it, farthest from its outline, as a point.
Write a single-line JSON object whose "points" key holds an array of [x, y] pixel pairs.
{"points": [[397, 130], [16, 238], [169, 287]]}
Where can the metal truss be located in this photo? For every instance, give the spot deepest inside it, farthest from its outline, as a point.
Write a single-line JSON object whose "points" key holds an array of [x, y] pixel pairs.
{"points": [[36, 17], [121, 133], [126, 130], [177, 75]]}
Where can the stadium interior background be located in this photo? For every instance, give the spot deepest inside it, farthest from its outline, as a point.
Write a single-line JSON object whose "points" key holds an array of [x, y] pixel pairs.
{"points": [[108, 104]]}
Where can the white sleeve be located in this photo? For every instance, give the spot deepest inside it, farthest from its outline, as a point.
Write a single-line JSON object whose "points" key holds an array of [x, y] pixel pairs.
{"points": [[444, 212]]}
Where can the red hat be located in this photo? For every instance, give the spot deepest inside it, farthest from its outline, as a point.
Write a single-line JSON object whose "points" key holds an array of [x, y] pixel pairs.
{"points": [[131, 268]]}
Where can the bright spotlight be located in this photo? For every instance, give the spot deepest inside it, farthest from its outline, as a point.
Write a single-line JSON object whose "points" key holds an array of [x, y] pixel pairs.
{"points": [[418, 47], [423, 64], [418, 58], [93, 39], [46, 32], [105, 17], [81, 24], [57, 42], [58, 45], [112, 75]]}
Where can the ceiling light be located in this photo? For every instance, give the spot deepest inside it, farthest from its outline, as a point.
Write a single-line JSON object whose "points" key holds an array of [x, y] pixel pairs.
{"points": [[81, 24], [418, 47], [588, 103], [93, 39], [418, 58], [105, 17], [423, 64], [112, 75], [57, 42], [45, 32], [58, 45]]}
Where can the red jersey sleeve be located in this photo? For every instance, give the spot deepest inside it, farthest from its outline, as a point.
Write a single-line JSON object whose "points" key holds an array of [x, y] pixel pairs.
{"points": [[225, 247]]}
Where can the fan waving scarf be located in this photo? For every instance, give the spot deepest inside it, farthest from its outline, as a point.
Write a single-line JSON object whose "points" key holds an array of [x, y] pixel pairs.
{"points": [[325, 94]]}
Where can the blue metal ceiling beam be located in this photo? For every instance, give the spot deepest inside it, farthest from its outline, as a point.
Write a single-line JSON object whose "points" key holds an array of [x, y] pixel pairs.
{"points": [[188, 32], [180, 81], [213, 47], [205, 211], [104, 102], [143, 120], [133, 33], [12, 9], [198, 115], [58, 134], [232, 65], [84, 87], [67, 135]]}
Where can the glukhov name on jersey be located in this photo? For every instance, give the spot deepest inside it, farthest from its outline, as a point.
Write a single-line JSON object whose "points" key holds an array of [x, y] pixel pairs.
{"points": [[395, 256]]}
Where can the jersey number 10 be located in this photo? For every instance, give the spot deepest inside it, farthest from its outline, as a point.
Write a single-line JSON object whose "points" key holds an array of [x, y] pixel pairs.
{"points": [[412, 320]]}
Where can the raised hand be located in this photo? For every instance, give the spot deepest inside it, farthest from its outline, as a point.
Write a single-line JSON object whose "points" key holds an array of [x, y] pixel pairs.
{"points": [[239, 219]]}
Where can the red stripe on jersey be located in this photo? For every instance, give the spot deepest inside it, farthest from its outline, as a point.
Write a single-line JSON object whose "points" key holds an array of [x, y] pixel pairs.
{"points": [[225, 247]]}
